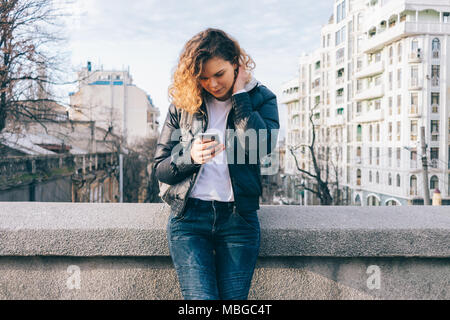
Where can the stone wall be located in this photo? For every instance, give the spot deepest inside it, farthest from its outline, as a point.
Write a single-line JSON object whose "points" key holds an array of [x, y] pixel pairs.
{"points": [[119, 251]]}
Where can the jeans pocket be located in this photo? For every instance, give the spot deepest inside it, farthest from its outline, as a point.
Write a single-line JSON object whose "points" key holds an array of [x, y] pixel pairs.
{"points": [[178, 217], [249, 218]]}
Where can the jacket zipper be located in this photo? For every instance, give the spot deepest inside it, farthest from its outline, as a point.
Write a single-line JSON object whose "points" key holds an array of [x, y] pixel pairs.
{"points": [[229, 171]]}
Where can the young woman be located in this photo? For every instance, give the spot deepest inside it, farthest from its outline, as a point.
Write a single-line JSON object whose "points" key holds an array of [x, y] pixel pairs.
{"points": [[213, 229]]}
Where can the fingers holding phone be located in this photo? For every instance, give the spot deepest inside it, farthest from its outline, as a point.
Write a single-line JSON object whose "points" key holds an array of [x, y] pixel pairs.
{"points": [[205, 147]]}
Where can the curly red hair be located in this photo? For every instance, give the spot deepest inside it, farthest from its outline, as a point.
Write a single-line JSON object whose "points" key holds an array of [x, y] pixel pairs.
{"points": [[185, 92]]}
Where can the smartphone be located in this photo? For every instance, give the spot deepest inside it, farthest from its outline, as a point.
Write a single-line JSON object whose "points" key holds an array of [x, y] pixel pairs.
{"points": [[209, 136]]}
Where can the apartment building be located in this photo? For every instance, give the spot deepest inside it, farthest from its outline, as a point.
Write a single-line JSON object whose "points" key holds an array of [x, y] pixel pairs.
{"points": [[380, 74], [110, 98]]}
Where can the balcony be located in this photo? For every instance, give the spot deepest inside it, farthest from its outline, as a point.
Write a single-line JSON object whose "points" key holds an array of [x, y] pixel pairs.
{"points": [[402, 30], [370, 93], [434, 136], [289, 97], [415, 57], [370, 70], [414, 111], [340, 81], [375, 115], [337, 120], [120, 252], [435, 82], [339, 99], [415, 84]]}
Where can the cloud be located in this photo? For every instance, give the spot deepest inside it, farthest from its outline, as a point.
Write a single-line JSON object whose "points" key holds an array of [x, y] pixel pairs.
{"points": [[148, 35]]}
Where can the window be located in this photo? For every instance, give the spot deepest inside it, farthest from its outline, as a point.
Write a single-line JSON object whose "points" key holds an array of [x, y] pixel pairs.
{"points": [[446, 17], [399, 78], [358, 177], [414, 130], [399, 104], [434, 183], [413, 159], [389, 157], [390, 80], [436, 48], [435, 102], [398, 180], [414, 103], [340, 12], [377, 104], [434, 130], [399, 129], [399, 52], [359, 133], [390, 179], [370, 133], [413, 186], [378, 156], [359, 85], [340, 55], [414, 76], [377, 177], [390, 131], [414, 46], [435, 71], [391, 54], [434, 157], [399, 156], [370, 155], [359, 20], [390, 105]]}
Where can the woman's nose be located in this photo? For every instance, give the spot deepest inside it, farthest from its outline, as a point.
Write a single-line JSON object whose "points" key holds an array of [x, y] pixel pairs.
{"points": [[212, 83]]}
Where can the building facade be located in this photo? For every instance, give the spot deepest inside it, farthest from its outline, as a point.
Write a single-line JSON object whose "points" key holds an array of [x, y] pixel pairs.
{"points": [[112, 100], [380, 74]]}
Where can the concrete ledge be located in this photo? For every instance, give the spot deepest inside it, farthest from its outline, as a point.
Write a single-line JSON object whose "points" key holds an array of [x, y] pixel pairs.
{"points": [[82, 229], [119, 251]]}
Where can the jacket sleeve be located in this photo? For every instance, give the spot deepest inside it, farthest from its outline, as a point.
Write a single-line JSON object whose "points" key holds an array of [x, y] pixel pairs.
{"points": [[263, 122], [172, 156]]}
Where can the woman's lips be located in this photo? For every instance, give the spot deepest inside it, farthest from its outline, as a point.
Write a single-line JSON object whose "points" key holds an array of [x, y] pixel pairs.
{"points": [[217, 91]]}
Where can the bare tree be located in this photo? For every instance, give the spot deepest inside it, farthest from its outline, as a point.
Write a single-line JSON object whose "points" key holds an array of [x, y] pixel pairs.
{"points": [[30, 64], [320, 176], [140, 183]]}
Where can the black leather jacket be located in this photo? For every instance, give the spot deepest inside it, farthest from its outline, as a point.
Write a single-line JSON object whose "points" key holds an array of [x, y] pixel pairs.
{"points": [[255, 110]]}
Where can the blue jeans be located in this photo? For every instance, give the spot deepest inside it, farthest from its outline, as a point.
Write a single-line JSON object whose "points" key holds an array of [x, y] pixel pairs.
{"points": [[214, 250]]}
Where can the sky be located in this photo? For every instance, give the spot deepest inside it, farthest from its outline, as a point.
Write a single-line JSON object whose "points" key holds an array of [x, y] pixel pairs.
{"points": [[147, 37]]}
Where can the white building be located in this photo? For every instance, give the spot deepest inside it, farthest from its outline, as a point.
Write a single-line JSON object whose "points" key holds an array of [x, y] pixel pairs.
{"points": [[380, 75], [112, 100]]}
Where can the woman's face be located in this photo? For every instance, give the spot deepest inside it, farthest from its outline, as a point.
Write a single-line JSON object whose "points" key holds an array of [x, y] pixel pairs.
{"points": [[217, 78]]}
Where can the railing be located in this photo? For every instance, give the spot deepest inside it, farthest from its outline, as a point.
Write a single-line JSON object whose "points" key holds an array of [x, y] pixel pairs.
{"points": [[416, 56], [415, 84], [414, 110], [435, 82], [14, 166], [401, 30]]}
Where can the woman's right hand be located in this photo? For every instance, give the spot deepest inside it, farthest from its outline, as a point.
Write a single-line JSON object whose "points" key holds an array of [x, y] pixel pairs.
{"points": [[203, 151]]}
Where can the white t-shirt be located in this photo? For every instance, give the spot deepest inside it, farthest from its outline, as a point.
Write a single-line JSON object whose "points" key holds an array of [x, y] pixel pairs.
{"points": [[213, 182]]}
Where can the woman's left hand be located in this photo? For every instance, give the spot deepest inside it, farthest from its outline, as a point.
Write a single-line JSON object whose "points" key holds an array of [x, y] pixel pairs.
{"points": [[242, 79]]}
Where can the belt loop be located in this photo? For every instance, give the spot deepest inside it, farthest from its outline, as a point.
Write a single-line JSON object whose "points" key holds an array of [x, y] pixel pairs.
{"points": [[234, 207]]}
